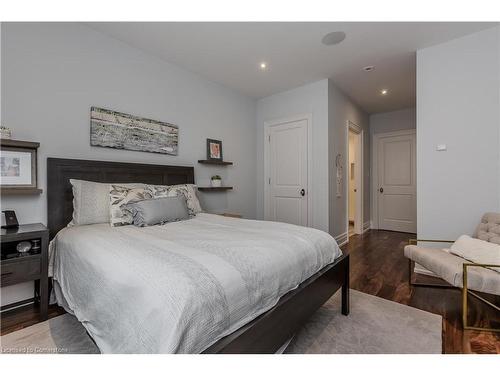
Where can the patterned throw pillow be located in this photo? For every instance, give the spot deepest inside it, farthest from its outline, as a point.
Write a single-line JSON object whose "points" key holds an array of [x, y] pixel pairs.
{"points": [[119, 197], [193, 198], [188, 190]]}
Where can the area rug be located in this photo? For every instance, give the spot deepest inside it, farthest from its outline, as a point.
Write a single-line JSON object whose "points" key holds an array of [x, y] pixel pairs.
{"points": [[63, 334], [374, 325]]}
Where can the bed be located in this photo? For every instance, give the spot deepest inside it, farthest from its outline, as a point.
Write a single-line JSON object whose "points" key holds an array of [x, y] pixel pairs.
{"points": [[210, 284]]}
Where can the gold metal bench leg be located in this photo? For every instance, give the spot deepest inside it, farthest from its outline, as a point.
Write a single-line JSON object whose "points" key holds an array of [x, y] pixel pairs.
{"points": [[411, 272], [411, 266], [464, 297], [465, 294]]}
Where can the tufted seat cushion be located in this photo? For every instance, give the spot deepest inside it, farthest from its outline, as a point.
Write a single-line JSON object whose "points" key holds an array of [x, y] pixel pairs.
{"points": [[489, 228]]}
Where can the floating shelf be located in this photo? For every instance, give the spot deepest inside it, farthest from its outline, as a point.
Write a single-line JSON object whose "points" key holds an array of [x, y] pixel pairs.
{"points": [[215, 162], [20, 191], [210, 188], [16, 143]]}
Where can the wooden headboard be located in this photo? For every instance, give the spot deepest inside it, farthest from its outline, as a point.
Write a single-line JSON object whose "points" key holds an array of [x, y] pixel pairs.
{"points": [[60, 193]]}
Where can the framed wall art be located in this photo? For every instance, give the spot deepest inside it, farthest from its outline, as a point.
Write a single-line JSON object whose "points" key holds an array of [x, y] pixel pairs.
{"points": [[214, 149], [18, 167], [127, 132]]}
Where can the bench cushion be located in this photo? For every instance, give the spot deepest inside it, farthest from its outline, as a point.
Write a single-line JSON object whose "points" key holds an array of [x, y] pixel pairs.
{"points": [[449, 267]]}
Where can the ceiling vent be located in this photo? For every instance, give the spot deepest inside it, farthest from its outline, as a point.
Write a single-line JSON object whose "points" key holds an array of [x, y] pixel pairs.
{"points": [[333, 38]]}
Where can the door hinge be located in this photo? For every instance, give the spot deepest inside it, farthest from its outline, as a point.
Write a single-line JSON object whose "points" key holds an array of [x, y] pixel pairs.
{"points": [[269, 180], [269, 138]]}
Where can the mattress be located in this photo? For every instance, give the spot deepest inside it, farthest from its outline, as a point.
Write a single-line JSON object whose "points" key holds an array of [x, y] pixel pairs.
{"points": [[180, 287]]}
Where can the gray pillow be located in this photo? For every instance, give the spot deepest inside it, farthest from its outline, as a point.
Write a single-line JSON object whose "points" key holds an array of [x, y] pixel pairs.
{"points": [[158, 211]]}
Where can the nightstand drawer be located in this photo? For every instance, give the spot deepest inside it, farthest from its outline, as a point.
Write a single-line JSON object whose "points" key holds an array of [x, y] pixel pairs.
{"points": [[22, 271]]}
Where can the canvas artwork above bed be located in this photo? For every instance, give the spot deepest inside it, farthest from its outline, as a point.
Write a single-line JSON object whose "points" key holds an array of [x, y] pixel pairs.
{"points": [[120, 130]]}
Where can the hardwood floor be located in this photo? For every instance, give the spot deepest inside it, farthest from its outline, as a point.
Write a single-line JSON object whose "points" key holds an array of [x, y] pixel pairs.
{"points": [[378, 267], [25, 316]]}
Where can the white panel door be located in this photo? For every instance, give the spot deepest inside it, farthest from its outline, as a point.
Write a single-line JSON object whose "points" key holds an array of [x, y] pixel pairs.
{"points": [[287, 179], [397, 203]]}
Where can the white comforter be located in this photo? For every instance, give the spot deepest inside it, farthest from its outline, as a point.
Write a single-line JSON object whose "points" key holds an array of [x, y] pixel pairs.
{"points": [[179, 287]]}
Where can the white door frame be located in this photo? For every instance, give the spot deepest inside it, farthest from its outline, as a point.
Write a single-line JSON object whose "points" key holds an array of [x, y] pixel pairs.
{"points": [[358, 217], [374, 195], [267, 191]]}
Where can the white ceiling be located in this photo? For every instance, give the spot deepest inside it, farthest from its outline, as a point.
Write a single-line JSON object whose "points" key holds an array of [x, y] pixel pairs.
{"points": [[230, 53]]}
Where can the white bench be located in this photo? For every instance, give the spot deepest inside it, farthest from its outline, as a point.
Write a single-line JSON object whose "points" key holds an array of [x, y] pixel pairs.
{"points": [[459, 272]]}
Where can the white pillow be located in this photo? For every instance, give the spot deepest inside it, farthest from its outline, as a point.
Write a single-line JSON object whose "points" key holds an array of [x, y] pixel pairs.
{"points": [[91, 201], [477, 251]]}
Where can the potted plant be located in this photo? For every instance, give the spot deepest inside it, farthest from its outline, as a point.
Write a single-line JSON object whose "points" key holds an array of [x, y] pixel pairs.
{"points": [[5, 132], [216, 181]]}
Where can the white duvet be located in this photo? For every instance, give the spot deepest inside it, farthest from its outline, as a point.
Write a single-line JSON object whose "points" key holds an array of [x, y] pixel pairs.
{"points": [[180, 287]]}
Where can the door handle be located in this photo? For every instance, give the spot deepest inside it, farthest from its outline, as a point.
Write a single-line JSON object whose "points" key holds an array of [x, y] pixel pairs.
{"points": [[302, 192], [381, 190]]}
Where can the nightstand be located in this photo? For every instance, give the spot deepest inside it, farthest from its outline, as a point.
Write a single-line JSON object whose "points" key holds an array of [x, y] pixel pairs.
{"points": [[31, 266]]}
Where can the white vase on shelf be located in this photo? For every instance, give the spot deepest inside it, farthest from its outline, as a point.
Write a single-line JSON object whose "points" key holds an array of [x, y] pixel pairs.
{"points": [[216, 183]]}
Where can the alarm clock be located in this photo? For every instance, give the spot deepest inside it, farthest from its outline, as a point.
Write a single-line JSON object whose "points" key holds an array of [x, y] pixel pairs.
{"points": [[23, 247], [9, 219]]}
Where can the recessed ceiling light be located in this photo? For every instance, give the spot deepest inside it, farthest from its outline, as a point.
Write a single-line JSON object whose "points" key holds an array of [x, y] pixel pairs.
{"points": [[369, 68], [263, 65], [333, 38], [384, 91]]}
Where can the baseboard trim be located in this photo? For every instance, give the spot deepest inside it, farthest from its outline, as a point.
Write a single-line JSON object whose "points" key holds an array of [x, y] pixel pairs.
{"points": [[342, 239], [366, 226]]}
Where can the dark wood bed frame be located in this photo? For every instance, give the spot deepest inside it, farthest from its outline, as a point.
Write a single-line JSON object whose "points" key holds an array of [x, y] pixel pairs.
{"points": [[266, 333]]}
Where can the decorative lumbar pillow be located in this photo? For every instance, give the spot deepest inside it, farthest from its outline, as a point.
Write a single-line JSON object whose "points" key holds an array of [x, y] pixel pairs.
{"points": [[91, 201], [158, 211], [187, 190], [477, 251], [119, 197]]}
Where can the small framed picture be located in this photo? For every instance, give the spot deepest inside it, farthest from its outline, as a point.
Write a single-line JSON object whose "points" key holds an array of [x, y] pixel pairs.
{"points": [[214, 149], [17, 165]]}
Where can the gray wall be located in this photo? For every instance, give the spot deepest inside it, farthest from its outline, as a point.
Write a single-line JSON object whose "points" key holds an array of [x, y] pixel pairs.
{"points": [[53, 73], [458, 104], [311, 98], [403, 119], [340, 110]]}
